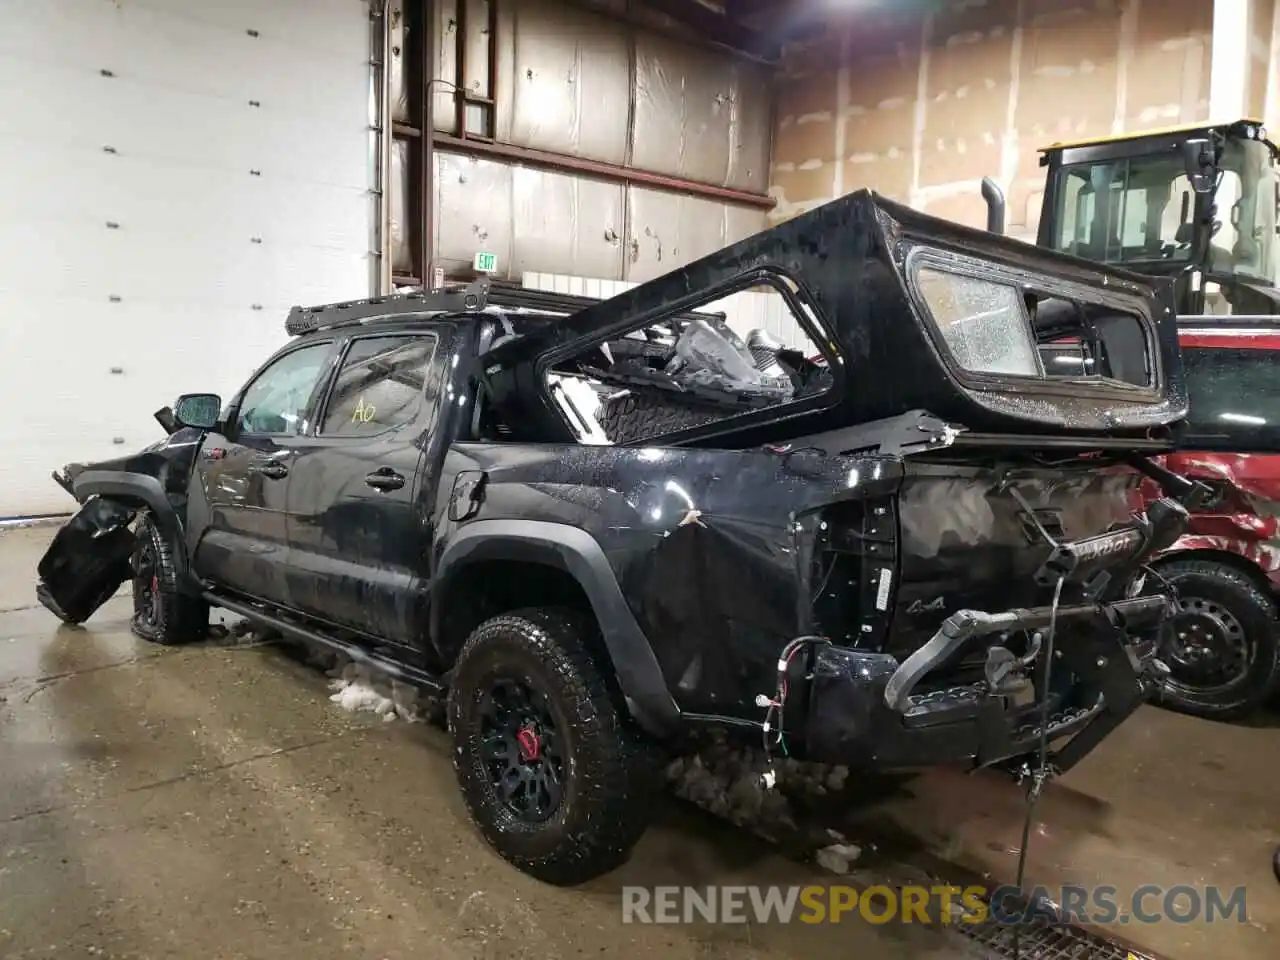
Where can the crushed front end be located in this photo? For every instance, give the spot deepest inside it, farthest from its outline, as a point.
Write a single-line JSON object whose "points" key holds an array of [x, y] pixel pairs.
{"points": [[91, 554]]}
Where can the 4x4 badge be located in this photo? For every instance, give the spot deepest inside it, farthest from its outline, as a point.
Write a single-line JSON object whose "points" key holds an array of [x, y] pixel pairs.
{"points": [[919, 606]]}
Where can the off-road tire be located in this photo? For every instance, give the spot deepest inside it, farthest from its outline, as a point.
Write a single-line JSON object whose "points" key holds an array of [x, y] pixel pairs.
{"points": [[639, 416], [177, 617], [612, 775], [1237, 594]]}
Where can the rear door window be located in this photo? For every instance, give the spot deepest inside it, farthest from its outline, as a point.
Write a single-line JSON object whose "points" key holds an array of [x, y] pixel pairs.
{"points": [[381, 385], [1234, 394]]}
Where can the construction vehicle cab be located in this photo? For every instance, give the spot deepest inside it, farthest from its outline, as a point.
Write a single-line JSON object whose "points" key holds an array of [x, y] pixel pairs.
{"points": [[1198, 204]]}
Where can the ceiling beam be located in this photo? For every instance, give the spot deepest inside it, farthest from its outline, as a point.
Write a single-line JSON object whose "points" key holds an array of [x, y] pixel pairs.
{"points": [[718, 28]]}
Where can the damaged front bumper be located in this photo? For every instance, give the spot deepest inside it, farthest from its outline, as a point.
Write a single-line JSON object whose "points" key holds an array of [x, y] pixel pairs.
{"points": [[869, 709], [90, 556]]}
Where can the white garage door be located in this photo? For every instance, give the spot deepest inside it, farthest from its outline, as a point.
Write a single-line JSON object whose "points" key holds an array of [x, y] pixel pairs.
{"points": [[174, 175]]}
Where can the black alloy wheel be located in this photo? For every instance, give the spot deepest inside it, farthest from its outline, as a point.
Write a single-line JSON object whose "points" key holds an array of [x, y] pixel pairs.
{"points": [[146, 585], [523, 749], [162, 611], [552, 771]]}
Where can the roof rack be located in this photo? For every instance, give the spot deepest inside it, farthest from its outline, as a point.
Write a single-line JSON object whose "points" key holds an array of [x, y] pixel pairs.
{"points": [[474, 297], [328, 316], [503, 294]]}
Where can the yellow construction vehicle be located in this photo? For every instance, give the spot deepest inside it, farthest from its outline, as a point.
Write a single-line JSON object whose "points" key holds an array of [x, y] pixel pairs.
{"points": [[1196, 203]]}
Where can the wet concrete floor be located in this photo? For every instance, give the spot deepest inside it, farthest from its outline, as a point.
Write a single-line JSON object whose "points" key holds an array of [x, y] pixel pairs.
{"points": [[1168, 800], [210, 801]]}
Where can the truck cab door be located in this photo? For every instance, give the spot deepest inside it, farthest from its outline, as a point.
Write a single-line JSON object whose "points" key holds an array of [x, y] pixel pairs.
{"points": [[361, 490], [237, 513]]}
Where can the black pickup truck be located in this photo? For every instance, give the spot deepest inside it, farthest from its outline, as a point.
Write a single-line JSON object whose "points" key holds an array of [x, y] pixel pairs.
{"points": [[597, 525]]}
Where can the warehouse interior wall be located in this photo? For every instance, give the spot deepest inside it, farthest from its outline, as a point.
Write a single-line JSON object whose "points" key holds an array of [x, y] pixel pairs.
{"points": [[1261, 62], [922, 107], [556, 80]]}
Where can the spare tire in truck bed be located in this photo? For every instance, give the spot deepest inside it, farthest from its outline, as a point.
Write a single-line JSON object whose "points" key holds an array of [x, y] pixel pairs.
{"points": [[639, 416]]}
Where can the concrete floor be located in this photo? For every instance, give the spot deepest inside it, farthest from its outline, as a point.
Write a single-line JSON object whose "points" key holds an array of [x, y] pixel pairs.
{"points": [[210, 801], [1167, 800]]}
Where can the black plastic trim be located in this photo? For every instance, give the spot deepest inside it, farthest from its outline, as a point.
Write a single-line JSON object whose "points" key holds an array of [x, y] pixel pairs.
{"points": [[577, 553], [122, 485]]}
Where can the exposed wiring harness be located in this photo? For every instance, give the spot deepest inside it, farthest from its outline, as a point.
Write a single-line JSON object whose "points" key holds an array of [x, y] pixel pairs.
{"points": [[773, 736], [1041, 773]]}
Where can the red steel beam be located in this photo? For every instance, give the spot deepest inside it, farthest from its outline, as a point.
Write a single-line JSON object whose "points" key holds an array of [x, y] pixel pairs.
{"points": [[604, 171]]}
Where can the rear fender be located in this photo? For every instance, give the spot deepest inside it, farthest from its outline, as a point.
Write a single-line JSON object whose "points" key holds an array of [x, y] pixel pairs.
{"points": [[577, 553]]}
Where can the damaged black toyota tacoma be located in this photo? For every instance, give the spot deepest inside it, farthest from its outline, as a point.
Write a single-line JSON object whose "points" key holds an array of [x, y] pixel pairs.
{"points": [[891, 535]]}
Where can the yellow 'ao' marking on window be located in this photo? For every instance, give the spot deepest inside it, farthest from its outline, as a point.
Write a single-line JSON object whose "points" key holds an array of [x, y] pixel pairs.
{"points": [[363, 412]]}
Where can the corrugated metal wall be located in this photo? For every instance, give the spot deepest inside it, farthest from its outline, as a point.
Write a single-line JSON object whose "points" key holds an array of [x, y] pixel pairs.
{"points": [[569, 82]]}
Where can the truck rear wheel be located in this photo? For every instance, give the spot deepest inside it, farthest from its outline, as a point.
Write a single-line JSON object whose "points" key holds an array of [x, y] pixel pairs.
{"points": [[557, 781], [1221, 646], [161, 612]]}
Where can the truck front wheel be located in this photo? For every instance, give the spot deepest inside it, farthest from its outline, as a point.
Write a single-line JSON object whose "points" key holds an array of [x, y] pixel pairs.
{"points": [[162, 613], [1221, 645], [559, 783]]}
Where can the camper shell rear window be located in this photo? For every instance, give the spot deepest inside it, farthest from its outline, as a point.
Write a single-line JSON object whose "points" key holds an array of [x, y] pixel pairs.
{"points": [[991, 323]]}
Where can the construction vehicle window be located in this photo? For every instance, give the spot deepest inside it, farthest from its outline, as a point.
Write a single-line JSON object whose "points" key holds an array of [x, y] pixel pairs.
{"points": [[276, 401], [1143, 209], [380, 385], [1246, 201], [1125, 211]]}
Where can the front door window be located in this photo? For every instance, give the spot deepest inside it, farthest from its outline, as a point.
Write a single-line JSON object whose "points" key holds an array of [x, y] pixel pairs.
{"points": [[276, 402]]}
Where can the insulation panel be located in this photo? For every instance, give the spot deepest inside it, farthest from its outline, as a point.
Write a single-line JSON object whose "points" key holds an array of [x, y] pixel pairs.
{"points": [[922, 107], [571, 75], [540, 220]]}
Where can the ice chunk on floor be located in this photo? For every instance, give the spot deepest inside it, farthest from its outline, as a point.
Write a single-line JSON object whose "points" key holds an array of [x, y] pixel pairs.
{"points": [[358, 688]]}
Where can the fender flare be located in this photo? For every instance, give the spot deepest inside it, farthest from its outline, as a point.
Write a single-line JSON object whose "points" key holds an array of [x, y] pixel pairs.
{"points": [[577, 553], [136, 487]]}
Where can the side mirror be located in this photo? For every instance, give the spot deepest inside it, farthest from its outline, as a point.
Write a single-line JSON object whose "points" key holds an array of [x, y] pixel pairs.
{"points": [[197, 410], [1200, 164], [994, 196]]}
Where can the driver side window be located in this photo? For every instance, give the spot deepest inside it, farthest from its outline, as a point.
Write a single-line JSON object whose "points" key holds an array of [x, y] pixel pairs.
{"points": [[276, 402]]}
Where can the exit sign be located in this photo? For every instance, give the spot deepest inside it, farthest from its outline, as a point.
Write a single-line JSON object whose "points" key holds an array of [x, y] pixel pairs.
{"points": [[486, 263]]}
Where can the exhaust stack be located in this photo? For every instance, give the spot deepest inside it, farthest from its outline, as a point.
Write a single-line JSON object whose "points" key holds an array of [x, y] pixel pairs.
{"points": [[994, 196]]}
